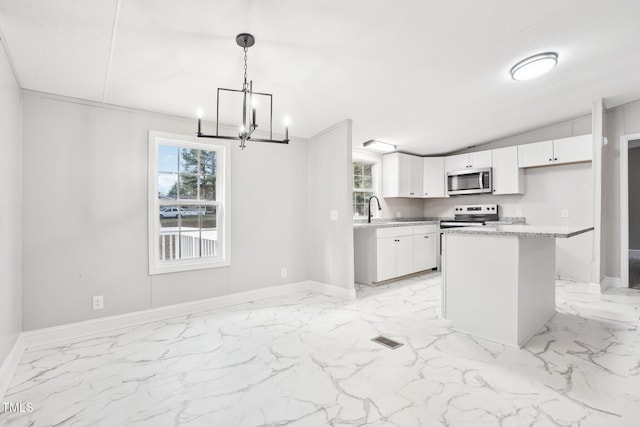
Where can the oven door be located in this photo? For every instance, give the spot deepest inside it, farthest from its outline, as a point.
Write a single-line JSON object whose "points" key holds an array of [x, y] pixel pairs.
{"points": [[469, 181]]}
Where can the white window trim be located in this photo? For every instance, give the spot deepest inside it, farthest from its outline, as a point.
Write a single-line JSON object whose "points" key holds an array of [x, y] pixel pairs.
{"points": [[223, 206]]}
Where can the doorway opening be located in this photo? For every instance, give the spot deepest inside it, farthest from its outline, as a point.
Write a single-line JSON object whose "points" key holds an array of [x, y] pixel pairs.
{"points": [[630, 210]]}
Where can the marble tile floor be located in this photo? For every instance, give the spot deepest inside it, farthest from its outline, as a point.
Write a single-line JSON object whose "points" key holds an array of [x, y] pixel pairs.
{"points": [[308, 360]]}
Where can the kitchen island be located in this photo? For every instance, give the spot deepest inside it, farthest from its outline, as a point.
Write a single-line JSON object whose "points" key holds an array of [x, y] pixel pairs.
{"points": [[499, 282]]}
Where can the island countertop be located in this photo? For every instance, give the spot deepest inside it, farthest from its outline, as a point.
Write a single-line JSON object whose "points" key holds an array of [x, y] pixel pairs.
{"points": [[519, 230]]}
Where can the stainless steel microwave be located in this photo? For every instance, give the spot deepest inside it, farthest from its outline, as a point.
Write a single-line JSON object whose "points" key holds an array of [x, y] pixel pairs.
{"points": [[469, 181]]}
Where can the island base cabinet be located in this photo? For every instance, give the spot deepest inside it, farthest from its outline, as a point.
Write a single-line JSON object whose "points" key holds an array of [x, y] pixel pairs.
{"points": [[501, 288]]}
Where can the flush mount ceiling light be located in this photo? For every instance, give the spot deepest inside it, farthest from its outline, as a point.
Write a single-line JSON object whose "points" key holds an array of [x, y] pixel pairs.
{"points": [[534, 66], [379, 146], [249, 103]]}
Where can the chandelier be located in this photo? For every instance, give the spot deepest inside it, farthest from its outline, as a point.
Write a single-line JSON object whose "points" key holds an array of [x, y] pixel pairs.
{"points": [[245, 41]]}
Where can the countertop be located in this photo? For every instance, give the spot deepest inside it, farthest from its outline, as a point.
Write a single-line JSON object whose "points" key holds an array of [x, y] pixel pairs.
{"points": [[385, 224], [521, 230]]}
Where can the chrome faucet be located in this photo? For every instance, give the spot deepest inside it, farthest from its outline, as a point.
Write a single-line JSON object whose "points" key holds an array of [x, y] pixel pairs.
{"points": [[369, 206]]}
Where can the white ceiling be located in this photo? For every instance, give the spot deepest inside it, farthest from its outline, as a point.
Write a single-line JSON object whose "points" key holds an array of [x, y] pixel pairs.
{"points": [[428, 75]]}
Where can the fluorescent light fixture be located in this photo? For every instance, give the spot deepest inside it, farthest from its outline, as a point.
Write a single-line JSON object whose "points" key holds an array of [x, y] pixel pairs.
{"points": [[534, 66], [379, 146]]}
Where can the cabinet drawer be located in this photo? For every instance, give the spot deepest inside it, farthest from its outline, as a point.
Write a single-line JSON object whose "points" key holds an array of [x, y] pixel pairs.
{"points": [[381, 233], [424, 229]]}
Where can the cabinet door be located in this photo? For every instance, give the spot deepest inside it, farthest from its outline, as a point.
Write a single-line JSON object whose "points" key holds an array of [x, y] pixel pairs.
{"points": [[420, 252], [390, 174], [431, 250], [574, 149], [480, 159], [415, 186], [404, 175], [536, 154], [434, 177], [508, 178], [425, 251], [404, 255], [386, 258], [456, 163]]}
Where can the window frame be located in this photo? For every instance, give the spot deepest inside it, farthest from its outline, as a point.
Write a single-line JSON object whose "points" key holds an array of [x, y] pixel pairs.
{"points": [[376, 163], [222, 203]]}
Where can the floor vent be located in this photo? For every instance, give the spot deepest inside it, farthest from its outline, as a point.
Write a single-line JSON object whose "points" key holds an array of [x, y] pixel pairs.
{"points": [[387, 342]]}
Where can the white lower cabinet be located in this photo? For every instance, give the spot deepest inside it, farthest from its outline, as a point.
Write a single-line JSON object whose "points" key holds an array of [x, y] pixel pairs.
{"points": [[404, 256], [425, 250], [386, 258], [389, 252]]}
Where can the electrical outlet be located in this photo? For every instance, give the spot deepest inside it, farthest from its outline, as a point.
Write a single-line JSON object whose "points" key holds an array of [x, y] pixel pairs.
{"points": [[565, 213], [98, 302], [519, 213], [398, 214], [283, 273], [333, 215]]}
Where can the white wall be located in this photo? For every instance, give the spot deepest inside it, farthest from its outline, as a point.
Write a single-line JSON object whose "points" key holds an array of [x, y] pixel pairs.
{"points": [[622, 120], [329, 189], [85, 214], [548, 190], [11, 218]]}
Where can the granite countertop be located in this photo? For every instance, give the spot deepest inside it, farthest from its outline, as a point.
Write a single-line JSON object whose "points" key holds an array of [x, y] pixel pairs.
{"points": [[518, 230], [407, 222], [385, 224]]}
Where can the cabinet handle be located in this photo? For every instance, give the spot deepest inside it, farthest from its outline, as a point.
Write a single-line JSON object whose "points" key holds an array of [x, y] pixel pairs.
{"points": [[555, 158], [426, 237], [550, 160], [411, 194]]}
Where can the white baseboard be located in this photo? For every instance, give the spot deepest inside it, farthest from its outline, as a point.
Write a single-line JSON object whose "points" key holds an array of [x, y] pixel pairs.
{"points": [[10, 365], [611, 282]]}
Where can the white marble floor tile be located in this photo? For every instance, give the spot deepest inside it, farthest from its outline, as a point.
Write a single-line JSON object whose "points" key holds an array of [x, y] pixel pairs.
{"points": [[308, 360]]}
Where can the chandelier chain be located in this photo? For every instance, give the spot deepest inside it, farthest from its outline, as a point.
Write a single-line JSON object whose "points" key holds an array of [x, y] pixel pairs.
{"points": [[245, 67]]}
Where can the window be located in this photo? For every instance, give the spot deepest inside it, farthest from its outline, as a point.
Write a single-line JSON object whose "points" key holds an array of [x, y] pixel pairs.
{"points": [[188, 203], [362, 187]]}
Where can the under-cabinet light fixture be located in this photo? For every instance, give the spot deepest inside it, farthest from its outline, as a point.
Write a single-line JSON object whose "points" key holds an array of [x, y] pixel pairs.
{"points": [[534, 66], [249, 106]]}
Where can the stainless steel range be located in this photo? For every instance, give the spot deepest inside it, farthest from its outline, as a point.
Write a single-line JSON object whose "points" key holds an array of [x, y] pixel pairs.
{"points": [[471, 216]]}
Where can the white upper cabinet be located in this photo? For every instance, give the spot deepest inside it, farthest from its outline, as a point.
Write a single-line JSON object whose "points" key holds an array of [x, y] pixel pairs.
{"points": [[401, 175], [479, 159], [536, 154], [557, 151], [572, 150], [508, 178], [434, 182], [457, 162]]}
